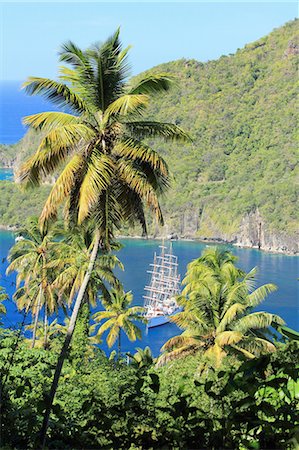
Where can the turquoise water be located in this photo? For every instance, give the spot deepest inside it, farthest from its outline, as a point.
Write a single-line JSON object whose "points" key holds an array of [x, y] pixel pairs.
{"points": [[6, 174], [136, 256]]}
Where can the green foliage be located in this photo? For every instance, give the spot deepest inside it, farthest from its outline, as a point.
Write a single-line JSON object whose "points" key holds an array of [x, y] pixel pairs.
{"points": [[3, 296], [240, 111], [216, 316], [11, 197], [105, 404], [120, 316]]}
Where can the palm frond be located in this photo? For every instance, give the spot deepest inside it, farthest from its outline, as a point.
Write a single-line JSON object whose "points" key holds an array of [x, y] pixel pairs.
{"points": [[138, 183], [113, 334], [134, 150], [175, 354], [96, 180], [53, 150], [57, 93], [256, 321], [230, 315], [257, 296], [153, 84], [183, 340], [50, 120], [228, 338], [127, 104], [62, 187]]}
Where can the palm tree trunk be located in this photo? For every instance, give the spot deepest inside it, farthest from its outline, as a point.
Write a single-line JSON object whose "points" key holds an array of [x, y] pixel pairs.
{"points": [[36, 316], [68, 338], [119, 345], [46, 328]]}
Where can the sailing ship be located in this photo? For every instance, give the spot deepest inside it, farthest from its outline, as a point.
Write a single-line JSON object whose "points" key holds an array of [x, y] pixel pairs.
{"points": [[159, 301]]}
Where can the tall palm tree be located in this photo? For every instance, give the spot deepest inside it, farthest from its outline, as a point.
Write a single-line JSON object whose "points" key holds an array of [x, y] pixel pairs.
{"points": [[29, 258], [107, 172], [120, 316], [218, 299]]}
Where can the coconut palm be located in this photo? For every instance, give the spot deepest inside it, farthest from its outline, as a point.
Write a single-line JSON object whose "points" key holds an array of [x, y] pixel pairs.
{"points": [[29, 258], [217, 319], [120, 317], [44, 334], [106, 170], [143, 358], [70, 262]]}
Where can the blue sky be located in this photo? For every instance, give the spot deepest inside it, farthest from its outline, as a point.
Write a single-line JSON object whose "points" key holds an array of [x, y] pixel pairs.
{"points": [[159, 31]]}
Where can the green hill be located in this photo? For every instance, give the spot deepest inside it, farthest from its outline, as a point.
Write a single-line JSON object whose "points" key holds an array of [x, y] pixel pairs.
{"points": [[237, 182]]}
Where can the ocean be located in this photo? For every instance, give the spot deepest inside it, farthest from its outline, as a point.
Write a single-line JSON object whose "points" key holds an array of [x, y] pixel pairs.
{"points": [[14, 105], [137, 254]]}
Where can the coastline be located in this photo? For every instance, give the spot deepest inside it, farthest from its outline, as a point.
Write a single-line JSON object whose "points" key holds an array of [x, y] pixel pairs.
{"points": [[209, 241], [14, 229]]}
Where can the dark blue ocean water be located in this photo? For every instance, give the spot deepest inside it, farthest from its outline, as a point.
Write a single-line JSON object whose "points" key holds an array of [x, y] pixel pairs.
{"points": [[136, 256], [14, 105]]}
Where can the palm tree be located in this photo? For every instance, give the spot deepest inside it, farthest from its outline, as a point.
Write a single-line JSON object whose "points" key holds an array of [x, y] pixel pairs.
{"points": [[44, 334], [70, 262], [120, 316], [108, 172], [29, 258], [217, 319], [143, 358]]}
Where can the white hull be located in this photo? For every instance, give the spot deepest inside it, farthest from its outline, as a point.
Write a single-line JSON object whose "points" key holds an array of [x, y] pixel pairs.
{"points": [[161, 320]]}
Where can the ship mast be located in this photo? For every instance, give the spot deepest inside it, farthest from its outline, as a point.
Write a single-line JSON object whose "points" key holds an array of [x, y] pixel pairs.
{"points": [[164, 283]]}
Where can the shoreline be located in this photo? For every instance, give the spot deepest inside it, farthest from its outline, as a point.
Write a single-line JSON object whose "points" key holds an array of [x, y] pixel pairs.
{"points": [[208, 241], [14, 229]]}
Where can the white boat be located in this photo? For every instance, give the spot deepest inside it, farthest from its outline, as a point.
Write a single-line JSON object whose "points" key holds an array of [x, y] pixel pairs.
{"points": [[165, 284]]}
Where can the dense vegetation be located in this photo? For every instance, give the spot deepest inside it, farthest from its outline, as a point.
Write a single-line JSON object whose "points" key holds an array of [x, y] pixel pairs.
{"points": [[241, 110], [108, 404], [16, 205], [241, 113]]}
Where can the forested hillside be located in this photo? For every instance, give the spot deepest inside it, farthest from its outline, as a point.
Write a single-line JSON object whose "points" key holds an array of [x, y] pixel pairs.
{"points": [[241, 170], [237, 181]]}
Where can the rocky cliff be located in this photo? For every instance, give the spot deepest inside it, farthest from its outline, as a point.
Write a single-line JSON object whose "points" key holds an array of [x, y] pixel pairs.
{"points": [[252, 231]]}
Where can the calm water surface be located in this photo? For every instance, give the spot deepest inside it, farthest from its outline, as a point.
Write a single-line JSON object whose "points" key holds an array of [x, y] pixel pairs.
{"points": [[6, 174], [136, 256]]}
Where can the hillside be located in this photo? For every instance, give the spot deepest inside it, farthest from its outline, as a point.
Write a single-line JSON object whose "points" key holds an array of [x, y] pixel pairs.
{"points": [[237, 182]]}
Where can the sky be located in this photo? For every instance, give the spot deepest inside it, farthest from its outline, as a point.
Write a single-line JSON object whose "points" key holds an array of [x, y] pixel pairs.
{"points": [[31, 33]]}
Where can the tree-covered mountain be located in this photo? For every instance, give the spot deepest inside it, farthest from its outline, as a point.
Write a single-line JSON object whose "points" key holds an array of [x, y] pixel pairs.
{"points": [[241, 170], [237, 181]]}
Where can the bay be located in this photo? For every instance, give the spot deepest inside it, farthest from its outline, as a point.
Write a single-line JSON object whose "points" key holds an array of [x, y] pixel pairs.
{"points": [[137, 254], [6, 174]]}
